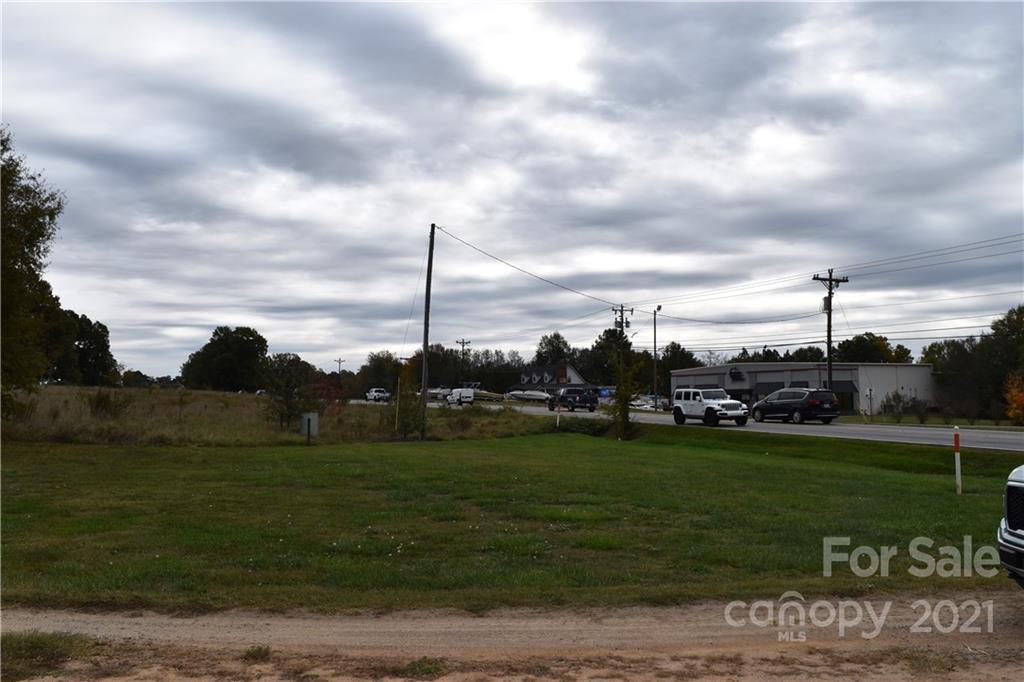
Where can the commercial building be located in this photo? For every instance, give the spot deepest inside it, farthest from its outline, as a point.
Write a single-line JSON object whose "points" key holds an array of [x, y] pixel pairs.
{"points": [[860, 386]]}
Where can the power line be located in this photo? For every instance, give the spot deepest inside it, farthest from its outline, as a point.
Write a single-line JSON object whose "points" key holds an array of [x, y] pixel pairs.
{"points": [[938, 253], [523, 270], [935, 300], [794, 337], [945, 262], [933, 253], [812, 342], [415, 295], [731, 322]]}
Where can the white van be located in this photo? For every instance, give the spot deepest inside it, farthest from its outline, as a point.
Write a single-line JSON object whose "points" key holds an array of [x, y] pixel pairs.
{"points": [[461, 396]]}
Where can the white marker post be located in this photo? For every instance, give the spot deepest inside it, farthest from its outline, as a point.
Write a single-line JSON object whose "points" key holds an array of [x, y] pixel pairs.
{"points": [[558, 414], [956, 459]]}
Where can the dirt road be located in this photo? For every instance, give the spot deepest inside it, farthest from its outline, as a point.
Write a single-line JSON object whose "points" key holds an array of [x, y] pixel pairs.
{"points": [[691, 642]]}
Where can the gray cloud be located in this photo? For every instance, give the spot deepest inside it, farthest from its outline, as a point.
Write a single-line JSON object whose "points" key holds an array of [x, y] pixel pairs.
{"points": [[278, 164]]}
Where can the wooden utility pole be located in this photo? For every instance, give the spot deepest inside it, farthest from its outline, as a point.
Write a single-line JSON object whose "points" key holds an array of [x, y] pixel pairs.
{"points": [[831, 283], [462, 355], [656, 401], [426, 333], [340, 383]]}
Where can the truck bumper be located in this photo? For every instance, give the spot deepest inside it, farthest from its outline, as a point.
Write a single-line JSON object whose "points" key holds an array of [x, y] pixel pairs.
{"points": [[733, 414]]}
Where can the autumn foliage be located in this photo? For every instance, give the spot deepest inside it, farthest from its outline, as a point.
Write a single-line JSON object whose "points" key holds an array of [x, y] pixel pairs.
{"points": [[1013, 391]]}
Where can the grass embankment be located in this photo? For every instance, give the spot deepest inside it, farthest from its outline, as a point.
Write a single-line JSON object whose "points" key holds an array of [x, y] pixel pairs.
{"points": [[157, 416], [559, 519]]}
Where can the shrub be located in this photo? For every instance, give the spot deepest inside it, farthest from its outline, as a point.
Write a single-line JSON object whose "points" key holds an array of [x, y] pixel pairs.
{"points": [[919, 408], [105, 404], [588, 427], [19, 408], [35, 654], [257, 654], [894, 405]]}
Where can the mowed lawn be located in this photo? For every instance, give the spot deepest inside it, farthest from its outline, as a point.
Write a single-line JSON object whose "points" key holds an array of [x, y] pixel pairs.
{"points": [[562, 519]]}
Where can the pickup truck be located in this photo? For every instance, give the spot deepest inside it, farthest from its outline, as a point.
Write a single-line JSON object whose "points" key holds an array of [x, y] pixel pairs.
{"points": [[571, 398], [378, 395], [1011, 528]]}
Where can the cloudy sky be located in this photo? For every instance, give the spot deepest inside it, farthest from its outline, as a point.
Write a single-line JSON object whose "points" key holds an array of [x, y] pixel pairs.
{"points": [[279, 165]]}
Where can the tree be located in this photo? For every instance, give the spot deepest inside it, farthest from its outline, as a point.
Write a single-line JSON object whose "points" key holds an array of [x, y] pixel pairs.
{"points": [[288, 379], [59, 335], [1013, 392], [901, 354], [805, 354], [383, 367], [96, 364], [28, 220], [766, 354], [132, 378], [674, 356], [869, 347], [609, 348], [232, 360], [625, 388], [552, 348]]}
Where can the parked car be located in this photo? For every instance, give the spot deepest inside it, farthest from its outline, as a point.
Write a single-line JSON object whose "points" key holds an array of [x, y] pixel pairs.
{"points": [[710, 405], [571, 398], [798, 405], [378, 395], [1011, 528], [461, 396]]}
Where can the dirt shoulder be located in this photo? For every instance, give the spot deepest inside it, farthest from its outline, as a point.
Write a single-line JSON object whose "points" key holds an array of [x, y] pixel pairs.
{"points": [[688, 642]]}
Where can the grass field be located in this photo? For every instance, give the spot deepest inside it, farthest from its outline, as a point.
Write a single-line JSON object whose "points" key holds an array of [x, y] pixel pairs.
{"points": [[153, 416], [539, 520]]}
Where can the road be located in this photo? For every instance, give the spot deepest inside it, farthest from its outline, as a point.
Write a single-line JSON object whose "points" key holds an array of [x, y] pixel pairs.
{"points": [[988, 439]]}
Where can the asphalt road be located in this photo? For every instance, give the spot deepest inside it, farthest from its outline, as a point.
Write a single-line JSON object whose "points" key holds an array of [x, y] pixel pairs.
{"points": [[989, 439]]}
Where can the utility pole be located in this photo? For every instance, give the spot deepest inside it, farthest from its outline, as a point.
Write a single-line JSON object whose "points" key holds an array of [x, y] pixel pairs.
{"points": [[831, 283], [622, 324], [339, 361], [656, 311], [462, 355], [426, 332]]}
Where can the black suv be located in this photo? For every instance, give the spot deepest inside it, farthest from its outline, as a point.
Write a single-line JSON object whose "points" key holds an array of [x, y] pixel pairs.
{"points": [[798, 405]]}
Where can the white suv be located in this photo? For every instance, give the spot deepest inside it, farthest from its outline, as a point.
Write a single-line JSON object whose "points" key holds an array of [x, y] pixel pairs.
{"points": [[710, 405], [378, 395]]}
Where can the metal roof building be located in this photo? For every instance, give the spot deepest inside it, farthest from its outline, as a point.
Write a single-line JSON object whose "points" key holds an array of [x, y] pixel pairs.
{"points": [[860, 386]]}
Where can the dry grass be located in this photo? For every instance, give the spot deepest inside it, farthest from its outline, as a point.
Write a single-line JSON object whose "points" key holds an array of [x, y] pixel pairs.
{"points": [[155, 416]]}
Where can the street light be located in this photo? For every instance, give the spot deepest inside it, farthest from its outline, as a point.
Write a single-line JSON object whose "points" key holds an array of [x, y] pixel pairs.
{"points": [[656, 311]]}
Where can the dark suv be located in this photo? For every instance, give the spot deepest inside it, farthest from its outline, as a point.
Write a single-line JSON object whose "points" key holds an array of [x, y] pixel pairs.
{"points": [[797, 405]]}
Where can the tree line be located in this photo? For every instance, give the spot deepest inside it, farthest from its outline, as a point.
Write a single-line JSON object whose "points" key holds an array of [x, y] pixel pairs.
{"points": [[41, 341]]}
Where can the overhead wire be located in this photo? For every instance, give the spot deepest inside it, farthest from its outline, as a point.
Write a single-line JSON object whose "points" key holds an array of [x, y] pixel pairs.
{"points": [[743, 289], [524, 270]]}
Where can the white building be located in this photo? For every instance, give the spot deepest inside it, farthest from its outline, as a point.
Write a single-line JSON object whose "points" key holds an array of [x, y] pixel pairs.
{"points": [[860, 386]]}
